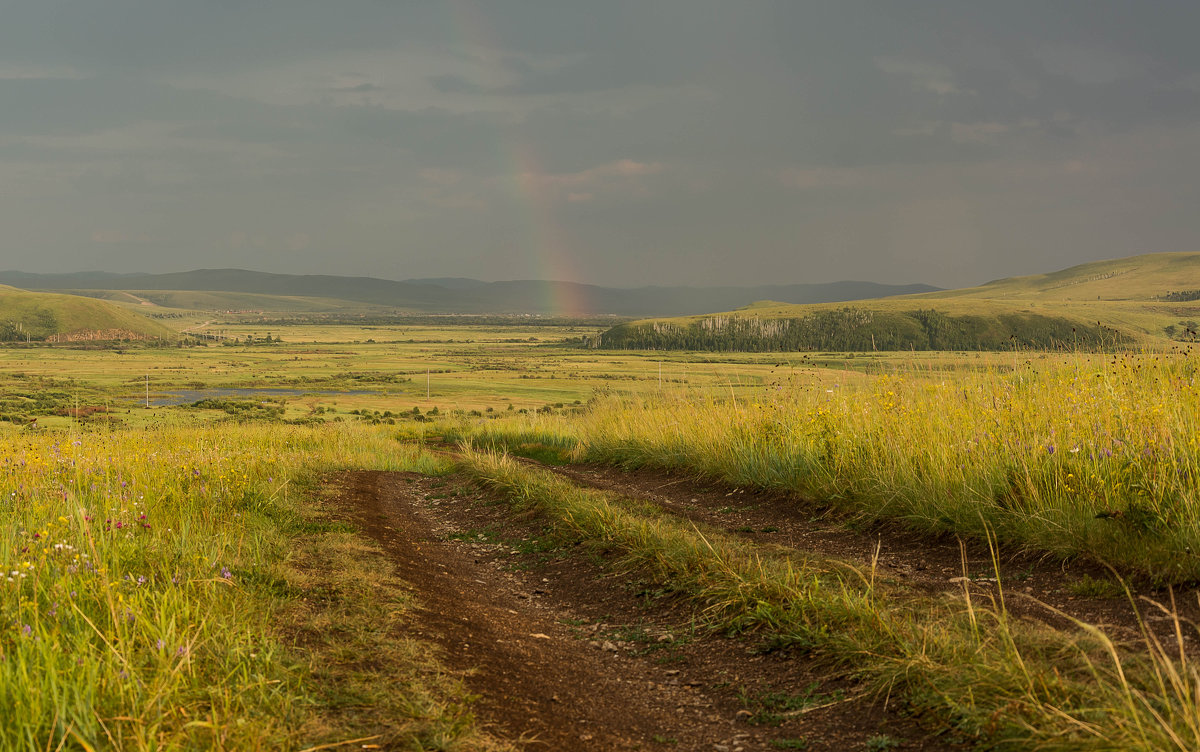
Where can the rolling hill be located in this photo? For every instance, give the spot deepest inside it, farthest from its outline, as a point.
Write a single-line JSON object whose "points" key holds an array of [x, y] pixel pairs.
{"points": [[36, 316], [222, 302], [449, 295], [1147, 300], [1149, 277]]}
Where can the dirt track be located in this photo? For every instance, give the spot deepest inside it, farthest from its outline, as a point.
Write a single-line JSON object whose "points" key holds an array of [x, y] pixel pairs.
{"points": [[922, 563], [569, 656]]}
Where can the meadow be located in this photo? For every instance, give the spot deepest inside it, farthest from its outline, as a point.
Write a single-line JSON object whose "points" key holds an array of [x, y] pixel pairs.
{"points": [[340, 369], [1085, 455], [151, 587], [159, 560]]}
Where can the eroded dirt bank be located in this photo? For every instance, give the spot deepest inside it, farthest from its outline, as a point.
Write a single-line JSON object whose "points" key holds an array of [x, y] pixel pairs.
{"points": [[568, 655]]}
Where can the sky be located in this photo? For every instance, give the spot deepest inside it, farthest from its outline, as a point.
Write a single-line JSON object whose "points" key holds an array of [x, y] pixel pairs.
{"points": [[623, 143]]}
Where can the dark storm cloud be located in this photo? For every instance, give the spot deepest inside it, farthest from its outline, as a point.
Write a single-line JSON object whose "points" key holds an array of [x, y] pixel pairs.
{"points": [[673, 141]]}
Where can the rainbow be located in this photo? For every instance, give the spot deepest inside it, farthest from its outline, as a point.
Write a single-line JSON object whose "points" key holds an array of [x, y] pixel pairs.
{"points": [[548, 241]]}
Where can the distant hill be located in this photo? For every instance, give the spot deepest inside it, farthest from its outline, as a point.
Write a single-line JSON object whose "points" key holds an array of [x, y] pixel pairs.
{"points": [[459, 295], [1135, 300], [450, 283], [39, 317], [1152, 276], [201, 300]]}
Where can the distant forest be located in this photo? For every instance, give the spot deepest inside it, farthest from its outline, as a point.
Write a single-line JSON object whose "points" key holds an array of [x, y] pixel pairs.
{"points": [[860, 330], [1181, 296]]}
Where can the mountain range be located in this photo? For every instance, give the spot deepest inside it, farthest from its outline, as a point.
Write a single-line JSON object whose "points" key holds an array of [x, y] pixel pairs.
{"points": [[467, 296]]}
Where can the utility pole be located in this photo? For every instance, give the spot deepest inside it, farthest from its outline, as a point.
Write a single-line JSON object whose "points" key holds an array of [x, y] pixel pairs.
{"points": [[426, 383], [147, 391]]}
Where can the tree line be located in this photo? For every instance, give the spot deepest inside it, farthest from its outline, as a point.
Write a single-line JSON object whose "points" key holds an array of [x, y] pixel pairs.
{"points": [[861, 330]]}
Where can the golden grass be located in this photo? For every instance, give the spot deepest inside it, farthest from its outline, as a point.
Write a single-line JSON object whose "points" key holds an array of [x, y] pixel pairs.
{"points": [[1092, 456], [141, 581]]}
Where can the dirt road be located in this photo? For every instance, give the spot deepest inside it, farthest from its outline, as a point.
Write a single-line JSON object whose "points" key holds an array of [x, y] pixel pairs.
{"points": [[569, 655]]}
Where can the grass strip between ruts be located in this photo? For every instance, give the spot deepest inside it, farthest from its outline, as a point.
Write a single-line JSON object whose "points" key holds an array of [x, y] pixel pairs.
{"points": [[998, 680]]}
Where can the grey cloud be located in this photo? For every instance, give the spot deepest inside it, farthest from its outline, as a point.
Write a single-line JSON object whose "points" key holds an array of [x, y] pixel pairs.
{"points": [[359, 88], [944, 141], [451, 83]]}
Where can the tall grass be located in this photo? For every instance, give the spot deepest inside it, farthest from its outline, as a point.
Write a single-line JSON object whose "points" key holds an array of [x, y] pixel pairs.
{"points": [[1006, 683], [136, 592], [1094, 456]]}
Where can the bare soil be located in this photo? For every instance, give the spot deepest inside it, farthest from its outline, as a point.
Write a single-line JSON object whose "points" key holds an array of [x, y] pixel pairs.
{"points": [[566, 652], [1029, 583]]}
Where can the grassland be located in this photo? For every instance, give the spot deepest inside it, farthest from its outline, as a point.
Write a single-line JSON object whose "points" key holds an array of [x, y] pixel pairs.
{"points": [[855, 430], [159, 557], [339, 371], [150, 588], [1086, 455]]}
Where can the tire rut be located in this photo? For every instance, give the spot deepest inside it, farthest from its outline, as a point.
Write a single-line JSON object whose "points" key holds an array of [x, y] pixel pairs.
{"points": [[565, 654], [927, 564]]}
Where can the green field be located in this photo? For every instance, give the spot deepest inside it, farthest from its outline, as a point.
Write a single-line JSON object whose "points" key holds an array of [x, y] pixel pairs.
{"points": [[339, 369]]}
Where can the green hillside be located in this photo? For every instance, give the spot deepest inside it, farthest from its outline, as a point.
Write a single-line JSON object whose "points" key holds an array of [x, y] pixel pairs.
{"points": [[1145, 300], [40, 317], [1149, 277]]}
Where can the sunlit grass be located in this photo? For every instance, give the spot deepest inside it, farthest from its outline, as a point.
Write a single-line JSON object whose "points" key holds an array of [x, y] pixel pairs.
{"points": [[1095, 456], [139, 577]]}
